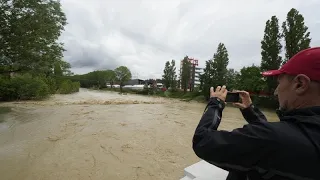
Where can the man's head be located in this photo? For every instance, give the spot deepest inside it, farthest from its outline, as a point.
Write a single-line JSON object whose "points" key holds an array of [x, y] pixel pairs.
{"points": [[299, 80]]}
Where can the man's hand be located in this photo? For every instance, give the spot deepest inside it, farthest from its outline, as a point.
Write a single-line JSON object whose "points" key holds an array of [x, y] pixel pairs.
{"points": [[221, 92], [245, 100]]}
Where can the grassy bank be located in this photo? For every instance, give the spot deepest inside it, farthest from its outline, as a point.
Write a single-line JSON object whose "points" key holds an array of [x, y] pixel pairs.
{"points": [[270, 103], [188, 96]]}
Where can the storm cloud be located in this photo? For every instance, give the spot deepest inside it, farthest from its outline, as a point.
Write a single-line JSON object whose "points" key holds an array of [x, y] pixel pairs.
{"points": [[144, 34]]}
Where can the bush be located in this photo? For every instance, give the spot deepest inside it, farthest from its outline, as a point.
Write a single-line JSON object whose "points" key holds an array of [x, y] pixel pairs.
{"points": [[174, 94], [75, 86], [27, 87], [23, 88], [191, 95], [7, 91], [67, 87], [167, 94], [52, 85], [30, 88], [143, 92], [199, 98]]}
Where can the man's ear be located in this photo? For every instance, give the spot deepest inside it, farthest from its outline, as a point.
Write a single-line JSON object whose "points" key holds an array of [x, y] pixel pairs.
{"points": [[302, 84]]}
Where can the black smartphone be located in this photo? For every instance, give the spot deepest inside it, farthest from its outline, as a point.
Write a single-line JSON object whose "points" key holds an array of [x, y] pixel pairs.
{"points": [[232, 97]]}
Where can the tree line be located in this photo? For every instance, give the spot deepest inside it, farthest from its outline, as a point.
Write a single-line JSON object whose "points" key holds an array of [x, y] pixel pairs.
{"points": [[293, 32], [100, 78]]}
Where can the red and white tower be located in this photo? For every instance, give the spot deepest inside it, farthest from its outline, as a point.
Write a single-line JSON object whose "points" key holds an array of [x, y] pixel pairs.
{"points": [[193, 64]]}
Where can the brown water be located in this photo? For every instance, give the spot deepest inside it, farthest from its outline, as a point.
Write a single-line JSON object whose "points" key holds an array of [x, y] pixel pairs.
{"points": [[102, 135]]}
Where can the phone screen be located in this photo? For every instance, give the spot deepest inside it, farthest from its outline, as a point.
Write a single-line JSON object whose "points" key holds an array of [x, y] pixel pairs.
{"points": [[232, 97]]}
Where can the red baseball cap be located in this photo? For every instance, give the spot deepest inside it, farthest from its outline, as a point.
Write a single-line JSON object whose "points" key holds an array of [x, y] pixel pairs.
{"points": [[305, 62]]}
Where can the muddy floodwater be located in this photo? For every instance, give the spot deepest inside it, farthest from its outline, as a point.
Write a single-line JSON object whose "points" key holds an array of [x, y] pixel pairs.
{"points": [[98, 135]]}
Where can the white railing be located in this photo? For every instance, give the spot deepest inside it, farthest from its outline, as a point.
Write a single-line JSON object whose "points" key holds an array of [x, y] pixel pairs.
{"points": [[204, 171]]}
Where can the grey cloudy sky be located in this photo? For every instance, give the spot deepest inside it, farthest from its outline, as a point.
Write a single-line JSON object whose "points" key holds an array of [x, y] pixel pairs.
{"points": [[144, 34]]}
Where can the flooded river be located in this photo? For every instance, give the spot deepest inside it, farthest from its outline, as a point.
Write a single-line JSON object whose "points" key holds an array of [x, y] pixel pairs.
{"points": [[102, 135]]}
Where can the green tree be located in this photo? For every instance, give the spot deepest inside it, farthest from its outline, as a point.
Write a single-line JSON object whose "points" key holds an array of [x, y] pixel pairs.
{"points": [[173, 75], [29, 30], [220, 63], [166, 75], [111, 77], [295, 33], [86, 80], [215, 72], [231, 79], [65, 67], [206, 79], [169, 75], [271, 48], [57, 69], [97, 79], [185, 73], [123, 74], [250, 79], [101, 77]]}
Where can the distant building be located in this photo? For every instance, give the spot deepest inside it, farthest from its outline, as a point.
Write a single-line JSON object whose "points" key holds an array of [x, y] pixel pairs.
{"points": [[159, 85], [198, 73], [195, 73], [134, 82]]}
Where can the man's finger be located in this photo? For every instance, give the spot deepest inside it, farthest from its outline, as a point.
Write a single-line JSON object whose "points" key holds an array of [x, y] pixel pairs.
{"points": [[218, 88], [211, 89], [223, 88], [243, 92], [238, 91], [238, 105]]}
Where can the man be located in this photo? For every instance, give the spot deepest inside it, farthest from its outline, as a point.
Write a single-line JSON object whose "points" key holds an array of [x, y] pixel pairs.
{"points": [[289, 149]]}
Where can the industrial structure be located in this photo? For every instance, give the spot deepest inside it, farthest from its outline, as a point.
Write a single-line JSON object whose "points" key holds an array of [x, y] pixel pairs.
{"points": [[134, 82], [195, 73], [198, 73]]}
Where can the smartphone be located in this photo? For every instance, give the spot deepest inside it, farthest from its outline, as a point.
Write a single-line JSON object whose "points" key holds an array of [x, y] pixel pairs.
{"points": [[232, 97]]}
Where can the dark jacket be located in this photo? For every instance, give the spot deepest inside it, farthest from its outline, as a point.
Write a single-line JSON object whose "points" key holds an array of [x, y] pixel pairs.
{"points": [[289, 149]]}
